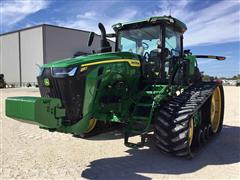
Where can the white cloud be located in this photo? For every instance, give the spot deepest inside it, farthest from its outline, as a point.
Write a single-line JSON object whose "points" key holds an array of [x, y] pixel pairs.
{"points": [[16, 10], [87, 15], [89, 20], [79, 22], [125, 15], [173, 8], [215, 24]]}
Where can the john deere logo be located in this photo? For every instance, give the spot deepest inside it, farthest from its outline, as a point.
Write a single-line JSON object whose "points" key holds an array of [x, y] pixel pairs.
{"points": [[46, 82]]}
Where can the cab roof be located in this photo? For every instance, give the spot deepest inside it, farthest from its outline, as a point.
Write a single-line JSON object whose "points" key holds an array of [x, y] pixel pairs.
{"points": [[169, 20]]}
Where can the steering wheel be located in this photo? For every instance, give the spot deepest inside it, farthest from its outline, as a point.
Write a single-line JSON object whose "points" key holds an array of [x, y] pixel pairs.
{"points": [[145, 45], [173, 51], [146, 56]]}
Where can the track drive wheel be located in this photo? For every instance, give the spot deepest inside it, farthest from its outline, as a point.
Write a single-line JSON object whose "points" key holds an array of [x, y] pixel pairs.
{"points": [[217, 109]]}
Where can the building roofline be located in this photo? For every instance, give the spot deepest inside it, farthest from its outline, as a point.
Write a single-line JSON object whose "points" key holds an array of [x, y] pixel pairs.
{"points": [[18, 30], [50, 25], [40, 25]]}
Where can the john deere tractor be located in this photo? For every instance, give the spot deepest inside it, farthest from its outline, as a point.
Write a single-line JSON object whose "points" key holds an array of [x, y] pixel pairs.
{"points": [[149, 83]]}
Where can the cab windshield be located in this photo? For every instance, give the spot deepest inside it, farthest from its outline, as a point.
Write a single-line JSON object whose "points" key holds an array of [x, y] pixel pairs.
{"points": [[140, 40]]}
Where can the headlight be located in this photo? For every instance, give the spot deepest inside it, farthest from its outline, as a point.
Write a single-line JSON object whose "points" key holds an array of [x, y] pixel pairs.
{"points": [[63, 72], [40, 71]]}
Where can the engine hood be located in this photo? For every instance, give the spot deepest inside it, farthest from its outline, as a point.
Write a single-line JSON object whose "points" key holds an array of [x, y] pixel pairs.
{"points": [[93, 58]]}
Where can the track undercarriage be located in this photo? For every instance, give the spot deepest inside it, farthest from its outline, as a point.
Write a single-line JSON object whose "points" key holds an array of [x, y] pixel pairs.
{"points": [[181, 125], [188, 120]]}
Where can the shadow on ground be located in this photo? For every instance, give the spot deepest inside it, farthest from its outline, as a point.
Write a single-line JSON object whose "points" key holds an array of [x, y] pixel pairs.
{"points": [[116, 134], [223, 149], [106, 132]]}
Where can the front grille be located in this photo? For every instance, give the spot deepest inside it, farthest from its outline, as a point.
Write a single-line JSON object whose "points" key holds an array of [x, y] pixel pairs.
{"points": [[69, 89]]}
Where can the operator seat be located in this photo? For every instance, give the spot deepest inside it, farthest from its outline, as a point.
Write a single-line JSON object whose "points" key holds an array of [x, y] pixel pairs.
{"points": [[154, 56], [152, 65]]}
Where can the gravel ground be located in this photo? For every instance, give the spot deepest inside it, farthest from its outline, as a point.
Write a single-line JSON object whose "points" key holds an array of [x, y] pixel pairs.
{"points": [[28, 152]]}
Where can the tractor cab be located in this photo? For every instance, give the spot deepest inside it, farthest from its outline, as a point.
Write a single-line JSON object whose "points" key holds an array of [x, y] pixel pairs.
{"points": [[157, 40]]}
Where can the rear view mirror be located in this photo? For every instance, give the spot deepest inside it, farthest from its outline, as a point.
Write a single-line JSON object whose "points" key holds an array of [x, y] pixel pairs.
{"points": [[220, 58], [90, 38]]}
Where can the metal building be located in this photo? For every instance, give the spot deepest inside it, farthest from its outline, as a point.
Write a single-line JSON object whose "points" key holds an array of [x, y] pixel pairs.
{"points": [[22, 51]]}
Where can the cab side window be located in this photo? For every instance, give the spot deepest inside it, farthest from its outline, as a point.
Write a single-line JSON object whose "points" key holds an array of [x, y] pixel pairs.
{"points": [[129, 45], [173, 42]]}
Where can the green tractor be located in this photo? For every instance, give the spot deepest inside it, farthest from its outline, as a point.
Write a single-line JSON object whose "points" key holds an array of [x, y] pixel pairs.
{"points": [[148, 84]]}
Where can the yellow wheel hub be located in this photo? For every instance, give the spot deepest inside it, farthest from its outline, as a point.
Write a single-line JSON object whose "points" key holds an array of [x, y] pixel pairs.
{"points": [[91, 125], [215, 109], [190, 131]]}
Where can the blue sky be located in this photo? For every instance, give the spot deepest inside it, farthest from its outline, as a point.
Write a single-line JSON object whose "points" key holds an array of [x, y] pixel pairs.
{"points": [[213, 25]]}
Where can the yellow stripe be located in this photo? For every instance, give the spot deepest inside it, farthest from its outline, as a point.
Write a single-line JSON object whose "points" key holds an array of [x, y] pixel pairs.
{"points": [[213, 57], [131, 62]]}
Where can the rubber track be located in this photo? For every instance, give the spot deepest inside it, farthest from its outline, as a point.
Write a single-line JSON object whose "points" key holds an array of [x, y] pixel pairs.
{"points": [[172, 121]]}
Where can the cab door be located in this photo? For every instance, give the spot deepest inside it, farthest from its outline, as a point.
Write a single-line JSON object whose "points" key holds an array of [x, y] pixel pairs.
{"points": [[172, 56]]}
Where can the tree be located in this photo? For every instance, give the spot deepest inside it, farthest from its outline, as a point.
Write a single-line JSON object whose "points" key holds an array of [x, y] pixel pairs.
{"points": [[236, 77]]}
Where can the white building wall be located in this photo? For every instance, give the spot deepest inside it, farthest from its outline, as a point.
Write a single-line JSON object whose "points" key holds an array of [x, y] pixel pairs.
{"points": [[9, 58], [64, 43], [31, 54]]}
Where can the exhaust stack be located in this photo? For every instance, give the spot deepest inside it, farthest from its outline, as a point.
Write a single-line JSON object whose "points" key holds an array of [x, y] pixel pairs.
{"points": [[104, 44]]}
